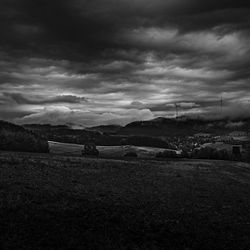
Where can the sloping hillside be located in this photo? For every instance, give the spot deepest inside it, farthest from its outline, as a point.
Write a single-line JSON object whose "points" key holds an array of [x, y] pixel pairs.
{"points": [[81, 136], [16, 138], [183, 126], [58, 202]]}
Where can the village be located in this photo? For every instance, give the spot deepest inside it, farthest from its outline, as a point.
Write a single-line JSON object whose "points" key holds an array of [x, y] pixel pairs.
{"points": [[233, 146]]}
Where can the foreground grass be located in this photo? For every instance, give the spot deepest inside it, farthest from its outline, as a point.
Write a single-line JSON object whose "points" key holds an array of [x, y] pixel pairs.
{"points": [[56, 202]]}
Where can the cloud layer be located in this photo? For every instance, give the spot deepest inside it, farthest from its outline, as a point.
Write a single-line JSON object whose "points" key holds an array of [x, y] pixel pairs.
{"points": [[106, 61]]}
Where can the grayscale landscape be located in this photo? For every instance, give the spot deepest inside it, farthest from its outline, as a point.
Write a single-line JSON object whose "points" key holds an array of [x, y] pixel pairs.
{"points": [[124, 124]]}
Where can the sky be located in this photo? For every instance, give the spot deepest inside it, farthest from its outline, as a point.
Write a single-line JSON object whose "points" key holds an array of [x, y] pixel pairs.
{"points": [[91, 62]]}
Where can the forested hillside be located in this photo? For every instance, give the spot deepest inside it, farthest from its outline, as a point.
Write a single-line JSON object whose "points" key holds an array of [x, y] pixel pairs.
{"points": [[16, 138]]}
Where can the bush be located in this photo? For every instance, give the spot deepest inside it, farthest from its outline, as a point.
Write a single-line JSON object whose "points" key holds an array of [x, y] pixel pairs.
{"points": [[205, 153], [185, 154], [131, 154], [167, 154], [212, 153], [223, 155]]}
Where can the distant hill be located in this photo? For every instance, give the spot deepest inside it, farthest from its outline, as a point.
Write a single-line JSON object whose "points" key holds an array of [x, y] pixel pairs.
{"points": [[17, 138], [138, 133], [61, 133], [68, 135], [183, 126], [101, 135], [108, 129], [44, 126]]}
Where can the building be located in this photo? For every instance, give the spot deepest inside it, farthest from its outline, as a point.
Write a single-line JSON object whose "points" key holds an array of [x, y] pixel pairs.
{"points": [[202, 135], [238, 133], [244, 144]]}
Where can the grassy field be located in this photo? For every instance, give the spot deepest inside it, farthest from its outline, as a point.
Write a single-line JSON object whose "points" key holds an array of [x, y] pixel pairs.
{"points": [[105, 151], [60, 202]]}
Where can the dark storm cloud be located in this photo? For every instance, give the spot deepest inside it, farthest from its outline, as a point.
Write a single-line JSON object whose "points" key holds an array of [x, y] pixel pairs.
{"points": [[7, 114], [142, 55], [76, 29], [22, 99]]}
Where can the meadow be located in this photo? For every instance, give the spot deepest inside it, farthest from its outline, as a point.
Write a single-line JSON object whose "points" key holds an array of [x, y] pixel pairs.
{"points": [[105, 151], [62, 202]]}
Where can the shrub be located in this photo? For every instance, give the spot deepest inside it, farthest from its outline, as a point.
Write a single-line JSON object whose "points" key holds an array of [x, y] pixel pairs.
{"points": [[131, 154], [212, 153], [166, 154]]}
